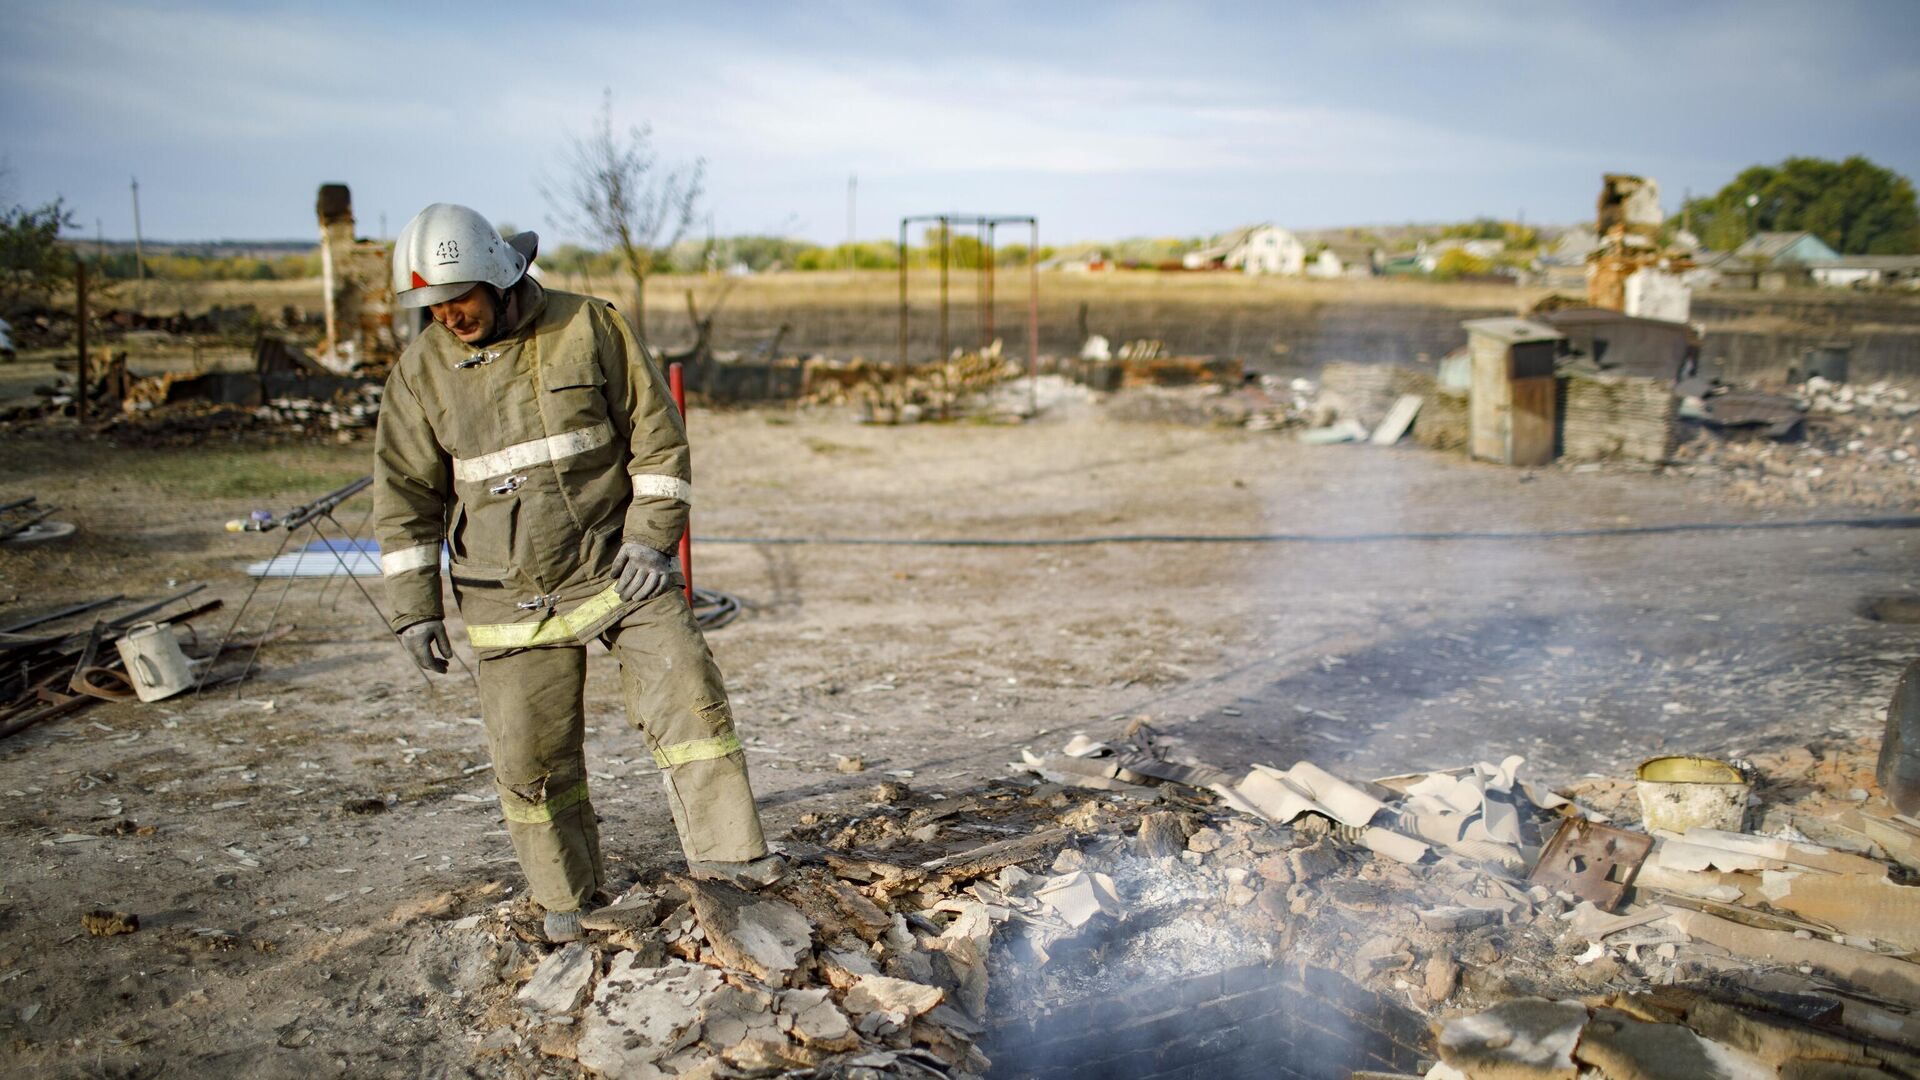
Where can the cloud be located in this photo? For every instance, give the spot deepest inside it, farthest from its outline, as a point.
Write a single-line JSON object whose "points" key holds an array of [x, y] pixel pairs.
{"points": [[1118, 114]]}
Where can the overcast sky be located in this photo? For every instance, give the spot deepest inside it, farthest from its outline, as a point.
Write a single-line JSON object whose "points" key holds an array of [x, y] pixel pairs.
{"points": [[1105, 119]]}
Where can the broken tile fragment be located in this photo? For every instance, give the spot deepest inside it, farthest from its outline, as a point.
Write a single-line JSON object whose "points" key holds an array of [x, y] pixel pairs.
{"points": [[637, 910], [816, 1021], [1316, 860], [560, 981], [882, 1004], [1205, 841], [762, 936], [768, 1057], [1079, 896], [640, 1016], [1161, 834], [1442, 976]]}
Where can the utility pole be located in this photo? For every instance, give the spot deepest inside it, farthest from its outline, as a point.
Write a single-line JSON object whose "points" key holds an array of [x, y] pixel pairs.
{"points": [[139, 252], [383, 224], [853, 187], [83, 378]]}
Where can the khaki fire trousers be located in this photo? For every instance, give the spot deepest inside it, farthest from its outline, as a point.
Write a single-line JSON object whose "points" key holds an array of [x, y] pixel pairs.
{"points": [[534, 706]]}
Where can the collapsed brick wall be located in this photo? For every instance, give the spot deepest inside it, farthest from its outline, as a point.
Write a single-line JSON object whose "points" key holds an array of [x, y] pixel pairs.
{"points": [[1884, 353], [1445, 420], [1310, 332], [1369, 390], [1304, 1023], [1614, 417]]}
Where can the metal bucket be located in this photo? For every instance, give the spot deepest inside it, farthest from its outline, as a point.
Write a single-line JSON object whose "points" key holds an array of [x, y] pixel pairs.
{"points": [[1828, 360], [155, 664], [1681, 793]]}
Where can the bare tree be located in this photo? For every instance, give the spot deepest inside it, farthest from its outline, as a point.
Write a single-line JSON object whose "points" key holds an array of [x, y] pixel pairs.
{"points": [[616, 191]]}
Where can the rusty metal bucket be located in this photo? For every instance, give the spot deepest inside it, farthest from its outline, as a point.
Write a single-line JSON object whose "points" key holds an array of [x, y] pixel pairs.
{"points": [[1681, 793]]}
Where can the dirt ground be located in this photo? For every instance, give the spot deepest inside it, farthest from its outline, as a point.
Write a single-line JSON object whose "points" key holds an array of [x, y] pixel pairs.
{"points": [[292, 844]]}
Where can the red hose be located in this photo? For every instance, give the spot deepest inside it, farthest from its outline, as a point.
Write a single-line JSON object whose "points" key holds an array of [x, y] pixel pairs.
{"points": [[677, 383]]}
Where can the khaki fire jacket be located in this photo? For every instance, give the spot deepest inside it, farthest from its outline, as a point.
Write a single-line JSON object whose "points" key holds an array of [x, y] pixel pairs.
{"points": [[532, 459]]}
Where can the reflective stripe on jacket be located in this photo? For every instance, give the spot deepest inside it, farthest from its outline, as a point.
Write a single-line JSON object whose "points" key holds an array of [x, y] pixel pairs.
{"points": [[532, 458]]}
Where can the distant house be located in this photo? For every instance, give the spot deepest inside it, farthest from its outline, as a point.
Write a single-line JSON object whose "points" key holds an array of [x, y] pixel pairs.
{"points": [[1564, 264], [1254, 249], [1088, 261], [1403, 264], [1343, 259], [1870, 272], [1770, 261], [1431, 253]]}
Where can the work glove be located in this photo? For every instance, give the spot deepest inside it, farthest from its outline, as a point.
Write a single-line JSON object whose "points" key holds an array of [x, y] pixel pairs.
{"points": [[423, 640], [640, 573]]}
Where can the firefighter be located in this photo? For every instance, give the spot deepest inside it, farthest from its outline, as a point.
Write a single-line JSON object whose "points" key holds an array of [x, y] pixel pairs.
{"points": [[531, 433]]}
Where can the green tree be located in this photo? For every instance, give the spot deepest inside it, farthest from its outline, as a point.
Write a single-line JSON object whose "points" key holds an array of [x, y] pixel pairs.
{"points": [[1458, 263], [1855, 206], [33, 262]]}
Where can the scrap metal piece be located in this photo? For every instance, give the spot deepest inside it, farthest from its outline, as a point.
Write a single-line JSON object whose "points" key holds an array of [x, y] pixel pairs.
{"points": [[1592, 861], [1898, 768]]}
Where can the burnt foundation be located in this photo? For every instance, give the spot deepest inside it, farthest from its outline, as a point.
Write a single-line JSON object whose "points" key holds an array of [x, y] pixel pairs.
{"points": [[1290, 1022]]}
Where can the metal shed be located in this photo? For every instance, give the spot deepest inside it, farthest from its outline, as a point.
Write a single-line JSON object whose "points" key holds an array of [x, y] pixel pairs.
{"points": [[1512, 412]]}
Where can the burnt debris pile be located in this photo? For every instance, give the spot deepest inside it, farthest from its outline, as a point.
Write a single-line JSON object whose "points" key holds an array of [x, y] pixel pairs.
{"points": [[1119, 909]]}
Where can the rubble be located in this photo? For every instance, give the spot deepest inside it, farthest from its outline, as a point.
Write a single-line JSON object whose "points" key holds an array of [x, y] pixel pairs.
{"points": [[1068, 928], [287, 393], [1840, 445], [890, 394]]}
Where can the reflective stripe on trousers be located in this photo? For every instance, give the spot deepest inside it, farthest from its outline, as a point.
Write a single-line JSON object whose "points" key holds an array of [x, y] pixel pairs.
{"points": [[535, 813], [559, 628], [697, 750]]}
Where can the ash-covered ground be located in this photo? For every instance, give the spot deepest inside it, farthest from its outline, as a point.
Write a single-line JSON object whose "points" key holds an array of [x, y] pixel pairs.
{"points": [[295, 850]]}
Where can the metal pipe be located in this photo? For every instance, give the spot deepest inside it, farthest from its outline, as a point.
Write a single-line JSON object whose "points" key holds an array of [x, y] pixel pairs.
{"points": [[986, 302], [300, 515], [903, 293], [676, 381], [1033, 317], [139, 254], [62, 613], [945, 228], [80, 335], [987, 226]]}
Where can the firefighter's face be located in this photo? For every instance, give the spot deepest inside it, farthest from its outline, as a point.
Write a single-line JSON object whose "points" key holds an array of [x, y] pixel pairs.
{"points": [[470, 315]]}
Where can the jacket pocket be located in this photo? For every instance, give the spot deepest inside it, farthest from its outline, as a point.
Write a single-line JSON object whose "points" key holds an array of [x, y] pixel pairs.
{"points": [[481, 546], [566, 374], [575, 394]]}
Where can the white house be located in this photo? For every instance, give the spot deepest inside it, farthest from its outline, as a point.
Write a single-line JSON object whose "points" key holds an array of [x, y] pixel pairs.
{"points": [[1339, 259], [1255, 249], [1870, 271]]}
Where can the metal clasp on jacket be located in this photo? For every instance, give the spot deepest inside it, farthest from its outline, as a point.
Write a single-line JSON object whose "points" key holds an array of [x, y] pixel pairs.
{"points": [[538, 603], [508, 486], [485, 356]]}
